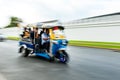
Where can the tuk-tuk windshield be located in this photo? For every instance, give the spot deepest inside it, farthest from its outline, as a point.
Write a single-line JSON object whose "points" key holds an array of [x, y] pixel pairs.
{"points": [[59, 32]]}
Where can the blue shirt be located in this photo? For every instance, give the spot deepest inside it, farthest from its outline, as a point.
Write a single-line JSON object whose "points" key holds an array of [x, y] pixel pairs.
{"points": [[45, 35]]}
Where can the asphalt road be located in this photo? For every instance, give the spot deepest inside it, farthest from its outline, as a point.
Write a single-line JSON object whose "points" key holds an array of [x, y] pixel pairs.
{"points": [[85, 64]]}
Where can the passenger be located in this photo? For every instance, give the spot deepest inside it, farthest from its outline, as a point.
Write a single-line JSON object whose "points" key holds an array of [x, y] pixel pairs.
{"points": [[29, 29], [26, 33], [40, 39], [34, 35]]}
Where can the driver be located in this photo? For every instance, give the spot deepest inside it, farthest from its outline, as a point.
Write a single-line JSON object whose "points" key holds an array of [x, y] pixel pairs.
{"points": [[46, 40]]}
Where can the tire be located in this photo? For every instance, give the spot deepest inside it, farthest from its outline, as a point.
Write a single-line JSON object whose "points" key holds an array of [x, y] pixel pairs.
{"points": [[52, 59], [24, 52], [20, 49], [65, 57]]}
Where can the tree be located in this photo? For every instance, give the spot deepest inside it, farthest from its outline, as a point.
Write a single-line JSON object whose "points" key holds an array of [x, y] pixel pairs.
{"points": [[14, 21]]}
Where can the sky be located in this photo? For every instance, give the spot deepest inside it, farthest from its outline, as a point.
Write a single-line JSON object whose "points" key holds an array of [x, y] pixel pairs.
{"points": [[32, 11]]}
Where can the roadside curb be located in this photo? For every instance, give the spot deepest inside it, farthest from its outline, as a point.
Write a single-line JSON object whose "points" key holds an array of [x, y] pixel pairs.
{"points": [[97, 47]]}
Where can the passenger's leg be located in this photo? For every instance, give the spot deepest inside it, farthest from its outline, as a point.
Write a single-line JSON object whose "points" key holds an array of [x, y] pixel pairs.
{"points": [[48, 46], [44, 47]]}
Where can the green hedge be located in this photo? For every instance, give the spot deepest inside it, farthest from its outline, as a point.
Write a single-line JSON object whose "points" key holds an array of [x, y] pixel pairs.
{"points": [[13, 38], [107, 45]]}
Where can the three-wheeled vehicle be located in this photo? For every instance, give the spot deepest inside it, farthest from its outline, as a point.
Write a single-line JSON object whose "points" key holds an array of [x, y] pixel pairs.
{"points": [[58, 45]]}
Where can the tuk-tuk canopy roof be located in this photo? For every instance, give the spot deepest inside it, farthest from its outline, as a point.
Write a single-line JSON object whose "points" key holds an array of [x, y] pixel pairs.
{"points": [[41, 25]]}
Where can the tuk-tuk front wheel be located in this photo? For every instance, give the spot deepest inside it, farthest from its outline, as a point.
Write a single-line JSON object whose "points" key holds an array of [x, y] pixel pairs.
{"points": [[64, 57]]}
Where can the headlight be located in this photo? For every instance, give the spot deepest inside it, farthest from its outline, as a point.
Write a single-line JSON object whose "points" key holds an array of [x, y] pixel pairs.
{"points": [[64, 42], [55, 42]]}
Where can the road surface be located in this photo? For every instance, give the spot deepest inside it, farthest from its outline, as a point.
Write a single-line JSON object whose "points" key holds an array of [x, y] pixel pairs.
{"points": [[85, 64]]}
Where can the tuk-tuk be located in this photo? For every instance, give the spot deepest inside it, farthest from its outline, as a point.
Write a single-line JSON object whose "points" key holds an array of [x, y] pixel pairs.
{"points": [[58, 44]]}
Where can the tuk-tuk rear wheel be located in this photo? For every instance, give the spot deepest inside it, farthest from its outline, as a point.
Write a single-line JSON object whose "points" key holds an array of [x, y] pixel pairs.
{"points": [[52, 59], [25, 52]]}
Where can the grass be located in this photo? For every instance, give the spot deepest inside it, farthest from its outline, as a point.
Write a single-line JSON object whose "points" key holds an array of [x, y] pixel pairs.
{"points": [[95, 44], [13, 38]]}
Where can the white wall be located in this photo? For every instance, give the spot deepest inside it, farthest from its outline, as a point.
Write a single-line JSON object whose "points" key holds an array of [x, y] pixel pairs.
{"points": [[105, 28], [11, 31], [111, 34]]}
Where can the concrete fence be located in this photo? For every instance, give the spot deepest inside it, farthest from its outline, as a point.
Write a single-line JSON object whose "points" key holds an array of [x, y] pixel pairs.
{"points": [[107, 32], [15, 31]]}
